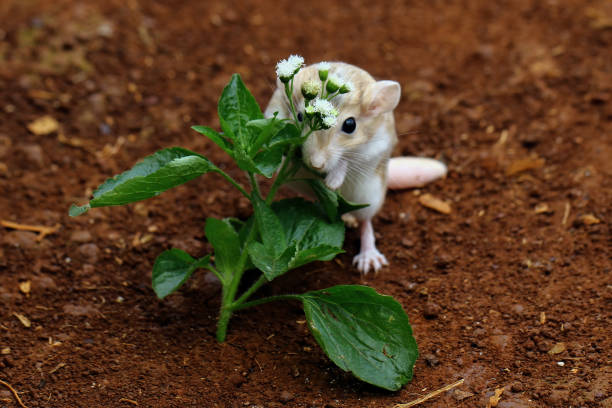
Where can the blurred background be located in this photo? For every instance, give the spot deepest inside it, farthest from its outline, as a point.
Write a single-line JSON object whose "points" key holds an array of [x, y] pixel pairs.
{"points": [[514, 95]]}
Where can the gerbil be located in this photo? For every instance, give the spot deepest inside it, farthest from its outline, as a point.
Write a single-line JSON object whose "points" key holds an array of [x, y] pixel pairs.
{"points": [[354, 155]]}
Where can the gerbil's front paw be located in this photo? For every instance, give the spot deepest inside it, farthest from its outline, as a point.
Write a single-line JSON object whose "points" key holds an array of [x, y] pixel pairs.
{"points": [[334, 180], [350, 220], [369, 259]]}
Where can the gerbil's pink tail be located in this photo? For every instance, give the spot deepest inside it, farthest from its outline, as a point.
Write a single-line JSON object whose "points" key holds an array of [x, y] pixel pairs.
{"points": [[409, 172]]}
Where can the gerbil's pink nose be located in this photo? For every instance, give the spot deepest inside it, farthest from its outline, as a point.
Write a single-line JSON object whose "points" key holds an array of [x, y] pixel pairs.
{"points": [[317, 163], [317, 166]]}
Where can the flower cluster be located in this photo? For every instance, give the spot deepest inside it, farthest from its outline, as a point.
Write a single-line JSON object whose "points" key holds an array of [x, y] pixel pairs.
{"points": [[320, 112], [323, 111], [286, 69]]}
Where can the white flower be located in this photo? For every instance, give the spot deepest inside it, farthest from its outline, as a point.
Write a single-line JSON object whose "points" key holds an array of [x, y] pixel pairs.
{"points": [[310, 110], [286, 69], [323, 66], [310, 89], [324, 107], [329, 121]]}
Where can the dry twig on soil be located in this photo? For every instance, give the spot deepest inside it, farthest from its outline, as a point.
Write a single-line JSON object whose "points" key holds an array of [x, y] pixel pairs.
{"points": [[42, 230], [7, 385], [430, 395]]}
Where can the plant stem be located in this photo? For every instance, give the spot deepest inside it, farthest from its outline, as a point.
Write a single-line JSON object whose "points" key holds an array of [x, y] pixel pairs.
{"points": [[261, 281], [281, 177], [289, 93], [229, 291], [224, 316], [216, 273], [234, 183], [266, 300], [254, 184]]}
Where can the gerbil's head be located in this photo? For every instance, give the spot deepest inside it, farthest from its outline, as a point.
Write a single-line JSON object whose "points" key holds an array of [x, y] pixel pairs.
{"points": [[361, 112]]}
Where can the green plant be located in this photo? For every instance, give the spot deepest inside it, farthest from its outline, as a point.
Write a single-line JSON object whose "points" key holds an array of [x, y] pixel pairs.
{"points": [[360, 330]]}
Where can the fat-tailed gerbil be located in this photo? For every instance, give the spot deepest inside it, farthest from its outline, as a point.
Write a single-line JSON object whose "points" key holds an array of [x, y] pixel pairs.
{"points": [[354, 155]]}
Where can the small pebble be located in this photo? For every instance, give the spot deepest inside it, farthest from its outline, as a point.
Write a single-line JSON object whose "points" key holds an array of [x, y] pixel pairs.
{"points": [[33, 154], [90, 252], [285, 397], [500, 341], [431, 360], [20, 239], [431, 311], [43, 282], [82, 236], [236, 379], [517, 387]]}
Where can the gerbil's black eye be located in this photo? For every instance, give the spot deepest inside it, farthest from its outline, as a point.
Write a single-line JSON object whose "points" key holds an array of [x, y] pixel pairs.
{"points": [[349, 125], [300, 116]]}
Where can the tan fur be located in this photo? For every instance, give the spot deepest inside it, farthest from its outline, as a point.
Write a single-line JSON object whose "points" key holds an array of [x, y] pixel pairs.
{"points": [[331, 145]]}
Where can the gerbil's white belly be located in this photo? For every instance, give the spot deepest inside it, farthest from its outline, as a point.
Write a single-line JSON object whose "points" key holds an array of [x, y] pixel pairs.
{"points": [[364, 190]]}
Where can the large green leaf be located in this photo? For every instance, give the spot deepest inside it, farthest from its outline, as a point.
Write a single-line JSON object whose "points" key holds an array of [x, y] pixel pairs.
{"points": [[172, 268], [270, 229], [236, 108], [224, 239], [307, 226], [294, 232], [272, 265], [153, 175], [269, 160], [363, 332], [263, 130]]}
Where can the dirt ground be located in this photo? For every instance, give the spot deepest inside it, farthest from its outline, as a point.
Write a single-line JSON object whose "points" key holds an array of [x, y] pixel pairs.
{"points": [[511, 289]]}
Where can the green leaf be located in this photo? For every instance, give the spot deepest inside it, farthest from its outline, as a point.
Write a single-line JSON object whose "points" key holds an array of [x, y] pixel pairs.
{"points": [[318, 253], [268, 161], [245, 162], [345, 206], [327, 198], [294, 232], [288, 134], [172, 268], [363, 332], [271, 231], [215, 137], [153, 175], [305, 225], [270, 264], [332, 202], [76, 210], [264, 129], [224, 239], [236, 108]]}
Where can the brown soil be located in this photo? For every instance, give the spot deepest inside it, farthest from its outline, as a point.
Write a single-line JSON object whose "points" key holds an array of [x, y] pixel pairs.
{"points": [[511, 289]]}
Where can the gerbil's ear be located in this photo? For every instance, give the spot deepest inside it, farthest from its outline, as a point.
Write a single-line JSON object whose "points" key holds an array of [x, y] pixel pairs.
{"points": [[381, 97]]}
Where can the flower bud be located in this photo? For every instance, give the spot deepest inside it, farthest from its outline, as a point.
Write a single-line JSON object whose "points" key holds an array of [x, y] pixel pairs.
{"points": [[333, 84], [346, 88], [311, 89], [310, 111], [323, 71], [329, 121]]}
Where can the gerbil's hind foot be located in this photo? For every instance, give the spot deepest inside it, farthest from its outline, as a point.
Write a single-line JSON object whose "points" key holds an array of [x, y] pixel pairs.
{"points": [[368, 259], [350, 220]]}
